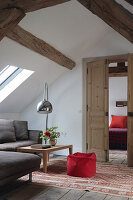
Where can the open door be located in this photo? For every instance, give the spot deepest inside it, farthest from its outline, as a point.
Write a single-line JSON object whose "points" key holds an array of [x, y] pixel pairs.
{"points": [[130, 112], [97, 131]]}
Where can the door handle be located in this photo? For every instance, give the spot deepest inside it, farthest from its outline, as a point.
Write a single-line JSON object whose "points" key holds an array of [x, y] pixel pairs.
{"points": [[106, 114]]}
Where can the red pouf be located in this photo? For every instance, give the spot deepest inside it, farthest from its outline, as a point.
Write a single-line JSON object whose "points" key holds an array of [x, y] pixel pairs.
{"points": [[81, 164]]}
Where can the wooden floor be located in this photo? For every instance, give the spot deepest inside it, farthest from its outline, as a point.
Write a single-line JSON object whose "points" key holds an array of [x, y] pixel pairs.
{"points": [[118, 157], [33, 191]]}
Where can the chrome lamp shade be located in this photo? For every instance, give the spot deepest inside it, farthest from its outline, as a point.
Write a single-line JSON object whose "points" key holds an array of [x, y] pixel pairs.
{"points": [[44, 107]]}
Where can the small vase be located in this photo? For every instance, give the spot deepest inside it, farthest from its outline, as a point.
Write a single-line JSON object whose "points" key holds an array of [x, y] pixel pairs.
{"points": [[53, 141], [45, 144], [45, 141]]}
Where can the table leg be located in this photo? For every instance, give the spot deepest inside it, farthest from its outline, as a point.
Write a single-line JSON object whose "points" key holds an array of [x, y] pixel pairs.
{"points": [[48, 157], [45, 159], [70, 150]]}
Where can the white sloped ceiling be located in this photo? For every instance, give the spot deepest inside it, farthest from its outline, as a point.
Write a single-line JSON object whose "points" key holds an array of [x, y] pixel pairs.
{"points": [[70, 28]]}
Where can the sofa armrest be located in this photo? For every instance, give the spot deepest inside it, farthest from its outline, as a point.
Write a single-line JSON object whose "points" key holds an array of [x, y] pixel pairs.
{"points": [[35, 136]]}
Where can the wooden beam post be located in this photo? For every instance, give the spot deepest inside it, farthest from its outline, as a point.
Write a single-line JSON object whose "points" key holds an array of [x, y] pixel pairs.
{"points": [[29, 5], [9, 18], [113, 14], [28, 40], [130, 112], [118, 71]]}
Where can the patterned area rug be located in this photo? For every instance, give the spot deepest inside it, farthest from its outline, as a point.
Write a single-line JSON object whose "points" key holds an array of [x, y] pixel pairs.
{"points": [[110, 179]]}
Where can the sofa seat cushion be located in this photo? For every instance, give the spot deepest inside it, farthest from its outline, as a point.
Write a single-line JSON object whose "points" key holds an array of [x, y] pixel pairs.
{"points": [[7, 131], [15, 162], [21, 129], [12, 146]]}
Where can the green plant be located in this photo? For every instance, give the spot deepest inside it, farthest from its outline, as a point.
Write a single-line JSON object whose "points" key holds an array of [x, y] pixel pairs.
{"points": [[44, 136], [50, 133]]}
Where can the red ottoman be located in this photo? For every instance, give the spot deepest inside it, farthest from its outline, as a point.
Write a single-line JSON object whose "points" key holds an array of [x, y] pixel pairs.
{"points": [[81, 164]]}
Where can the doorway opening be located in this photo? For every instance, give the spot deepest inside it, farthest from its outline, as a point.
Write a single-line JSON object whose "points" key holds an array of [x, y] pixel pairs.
{"points": [[118, 86], [96, 73]]}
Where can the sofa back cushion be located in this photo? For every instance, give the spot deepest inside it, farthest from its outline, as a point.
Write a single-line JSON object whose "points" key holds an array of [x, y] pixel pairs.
{"points": [[21, 129], [7, 131]]}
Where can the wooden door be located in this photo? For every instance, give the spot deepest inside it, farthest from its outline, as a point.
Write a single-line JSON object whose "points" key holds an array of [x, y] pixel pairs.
{"points": [[97, 128], [130, 112]]}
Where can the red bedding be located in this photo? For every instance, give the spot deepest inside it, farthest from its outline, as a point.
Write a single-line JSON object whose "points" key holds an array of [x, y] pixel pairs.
{"points": [[118, 138]]}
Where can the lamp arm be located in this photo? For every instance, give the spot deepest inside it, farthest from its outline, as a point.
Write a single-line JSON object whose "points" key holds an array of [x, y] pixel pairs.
{"points": [[46, 92], [46, 122]]}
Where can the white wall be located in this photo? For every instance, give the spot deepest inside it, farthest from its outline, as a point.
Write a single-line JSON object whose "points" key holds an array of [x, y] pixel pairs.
{"points": [[66, 98], [35, 121], [14, 116], [117, 92]]}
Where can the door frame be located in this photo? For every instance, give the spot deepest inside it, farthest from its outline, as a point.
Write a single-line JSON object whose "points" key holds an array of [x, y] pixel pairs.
{"points": [[85, 61]]}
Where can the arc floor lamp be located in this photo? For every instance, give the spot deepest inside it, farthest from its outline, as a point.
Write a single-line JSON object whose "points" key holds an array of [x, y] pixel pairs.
{"points": [[44, 106]]}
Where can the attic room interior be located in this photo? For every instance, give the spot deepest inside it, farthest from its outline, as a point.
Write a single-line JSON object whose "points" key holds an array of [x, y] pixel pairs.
{"points": [[66, 99]]}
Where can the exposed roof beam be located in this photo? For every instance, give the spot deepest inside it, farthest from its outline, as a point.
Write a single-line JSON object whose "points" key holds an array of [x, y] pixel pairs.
{"points": [[130, 1], [9, 18], [29, 5], [119, 70], [28, 40], [113, 14], [121, 74]]}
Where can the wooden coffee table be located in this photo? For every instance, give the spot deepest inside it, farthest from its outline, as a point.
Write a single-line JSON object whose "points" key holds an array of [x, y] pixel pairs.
{"points": [[38, 149]]}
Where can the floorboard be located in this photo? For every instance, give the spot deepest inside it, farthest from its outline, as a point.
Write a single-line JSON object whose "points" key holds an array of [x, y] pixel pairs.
{"points": [[93, 196], [25, 192], [118, 198], [108, 197], [73, 195], [118, 157], [53, 193]]}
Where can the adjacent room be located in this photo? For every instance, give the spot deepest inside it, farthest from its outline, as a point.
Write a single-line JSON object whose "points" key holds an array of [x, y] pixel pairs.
{"points": [[118, 85], [66, 99]]}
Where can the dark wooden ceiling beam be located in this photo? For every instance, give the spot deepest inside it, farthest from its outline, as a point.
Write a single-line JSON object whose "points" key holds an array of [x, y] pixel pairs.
{"points": [[121, 64], [118, 71], [130, 1], [121, 74], [9, 18], [29, 5], [28, 40], [113, 14]]}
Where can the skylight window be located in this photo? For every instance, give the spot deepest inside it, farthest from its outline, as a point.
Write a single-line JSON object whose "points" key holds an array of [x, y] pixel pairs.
{"points": [[10, 78], [6, 73]]}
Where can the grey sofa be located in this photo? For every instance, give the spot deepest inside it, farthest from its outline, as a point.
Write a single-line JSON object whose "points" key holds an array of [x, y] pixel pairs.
{"points": [[13, 165], [14, 134]]}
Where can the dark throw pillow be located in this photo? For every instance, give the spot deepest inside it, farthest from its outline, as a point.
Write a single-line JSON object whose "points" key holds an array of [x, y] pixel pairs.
{"points": [[7, 131], [21, 130]]}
